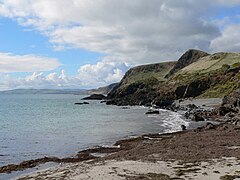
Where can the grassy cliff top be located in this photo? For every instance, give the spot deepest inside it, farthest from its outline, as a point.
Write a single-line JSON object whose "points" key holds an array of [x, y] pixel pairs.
{"points": [[211, 63], [143, 72]]}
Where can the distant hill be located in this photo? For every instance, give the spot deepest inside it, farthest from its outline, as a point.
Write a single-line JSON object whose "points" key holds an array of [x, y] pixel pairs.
{"points": [[44, 91], [102, 90]]}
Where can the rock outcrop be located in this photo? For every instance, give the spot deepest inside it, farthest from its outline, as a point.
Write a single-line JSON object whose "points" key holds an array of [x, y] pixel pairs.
{"points": [[95, 97], [231, 104], [81, 103], [102, 90]]}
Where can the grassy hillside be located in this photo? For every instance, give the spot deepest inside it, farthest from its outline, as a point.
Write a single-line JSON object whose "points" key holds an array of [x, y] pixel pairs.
{"points": [[211, 63], [220, 70], [196, 74], [141, 73]]}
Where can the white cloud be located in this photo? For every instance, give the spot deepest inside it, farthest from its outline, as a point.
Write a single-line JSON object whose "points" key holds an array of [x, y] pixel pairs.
{"points": [[39, 81], [126, 31], [89, 76], [228, 41], [26, 63], [138, 31], [102, 73]]}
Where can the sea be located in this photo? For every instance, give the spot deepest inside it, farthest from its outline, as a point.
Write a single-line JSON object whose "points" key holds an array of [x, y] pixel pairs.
{"points": [[37, 125]]}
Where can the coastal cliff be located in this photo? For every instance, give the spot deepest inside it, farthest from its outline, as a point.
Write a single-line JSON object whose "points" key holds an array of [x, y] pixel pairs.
{"points": [[195, 74]]}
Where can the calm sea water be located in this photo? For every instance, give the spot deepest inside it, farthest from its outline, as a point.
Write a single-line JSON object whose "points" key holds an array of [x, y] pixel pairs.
{"points": [[34, 126]]}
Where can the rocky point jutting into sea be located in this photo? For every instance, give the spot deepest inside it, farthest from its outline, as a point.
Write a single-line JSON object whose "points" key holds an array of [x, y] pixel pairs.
{"points": [[208, 152]]}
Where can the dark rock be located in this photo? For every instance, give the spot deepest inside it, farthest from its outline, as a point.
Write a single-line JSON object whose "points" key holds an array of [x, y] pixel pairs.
{"points": [[183, 127], [163, 102], [198, 117], [193, 89], [230, 115], [191, 106], [195, 115], [82, 103], [101, 149], [209, 126], [125, 107], [95, 97], [152, 112], [223, 110]]}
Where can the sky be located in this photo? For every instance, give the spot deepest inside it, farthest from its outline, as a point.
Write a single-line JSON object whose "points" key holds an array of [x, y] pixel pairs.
{"points": [[64, 44]]}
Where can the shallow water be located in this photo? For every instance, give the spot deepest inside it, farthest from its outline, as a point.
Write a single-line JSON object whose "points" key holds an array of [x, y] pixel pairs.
{"points": [[34, 126]]}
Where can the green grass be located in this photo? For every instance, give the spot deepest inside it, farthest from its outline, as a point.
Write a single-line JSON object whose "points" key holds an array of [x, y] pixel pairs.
{"points": [[140, 73], [219, 90], [211, 63]]}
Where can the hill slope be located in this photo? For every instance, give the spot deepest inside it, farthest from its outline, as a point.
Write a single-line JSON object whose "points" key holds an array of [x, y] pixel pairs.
{"points": [[139, 73], [186, 59], [196, 74], [212, 62], [102, 90]]}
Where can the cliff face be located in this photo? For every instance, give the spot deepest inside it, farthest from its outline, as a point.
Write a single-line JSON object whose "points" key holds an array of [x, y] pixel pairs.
{"points": [[139, 85], [196, 74]]}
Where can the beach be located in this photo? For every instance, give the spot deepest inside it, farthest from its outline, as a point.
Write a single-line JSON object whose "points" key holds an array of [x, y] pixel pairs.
{"points": [[209, 152], [206, 151]]}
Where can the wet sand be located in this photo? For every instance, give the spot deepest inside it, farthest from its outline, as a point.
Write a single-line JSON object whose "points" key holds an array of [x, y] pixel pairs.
{"points": [[206, 153]]}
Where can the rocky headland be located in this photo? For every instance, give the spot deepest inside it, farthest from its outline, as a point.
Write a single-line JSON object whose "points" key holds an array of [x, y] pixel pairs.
{"points": [[195, 75]]}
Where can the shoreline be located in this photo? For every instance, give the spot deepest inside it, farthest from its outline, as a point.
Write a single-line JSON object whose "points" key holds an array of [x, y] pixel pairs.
{"points": [[77, 156], [163, 150], [121, 145]]}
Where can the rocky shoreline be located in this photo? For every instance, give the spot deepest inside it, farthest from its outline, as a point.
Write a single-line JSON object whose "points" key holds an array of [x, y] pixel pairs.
{"points": [[197, 145], [188, 148], [87, 154]]}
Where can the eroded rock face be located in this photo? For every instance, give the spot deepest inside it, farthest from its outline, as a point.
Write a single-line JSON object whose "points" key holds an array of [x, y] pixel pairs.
{"points": [[193, 89], [231, 104], [233, 99]]}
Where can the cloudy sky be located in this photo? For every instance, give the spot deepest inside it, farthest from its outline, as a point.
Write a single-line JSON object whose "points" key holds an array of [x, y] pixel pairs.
{"points": [[85, 44]]}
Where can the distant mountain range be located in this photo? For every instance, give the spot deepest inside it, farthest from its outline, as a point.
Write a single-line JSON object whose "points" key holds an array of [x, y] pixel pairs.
{"points": [[45, 91], [101, 90]]}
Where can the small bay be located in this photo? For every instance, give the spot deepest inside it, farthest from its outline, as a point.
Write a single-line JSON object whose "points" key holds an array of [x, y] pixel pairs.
{"points": [[37, 125]]}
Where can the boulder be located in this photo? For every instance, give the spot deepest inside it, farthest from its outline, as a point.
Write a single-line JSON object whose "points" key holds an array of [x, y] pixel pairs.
{"points": [[192, 106], [198, 117], [183, 127], [152, 112], [162, 102]]}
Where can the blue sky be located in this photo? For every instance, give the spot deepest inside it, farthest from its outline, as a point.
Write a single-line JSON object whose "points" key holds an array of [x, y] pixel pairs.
{"points": [[83, 44], [23, 40]]}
